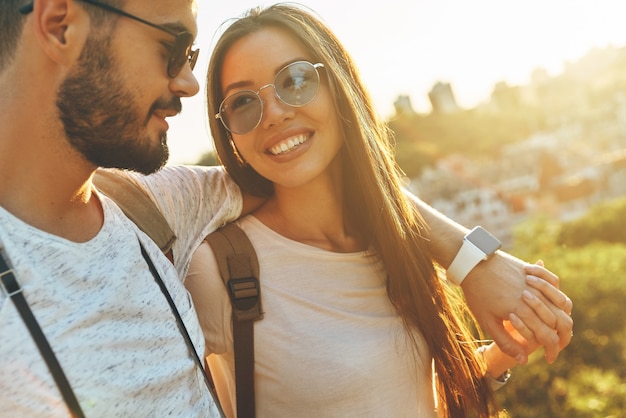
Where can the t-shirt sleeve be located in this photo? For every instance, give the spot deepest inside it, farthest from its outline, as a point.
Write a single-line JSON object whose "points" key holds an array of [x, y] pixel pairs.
{"points": [[195, 200]]}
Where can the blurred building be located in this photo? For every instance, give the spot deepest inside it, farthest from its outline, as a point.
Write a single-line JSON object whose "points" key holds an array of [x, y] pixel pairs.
{"points": [[442, 99], [403, 105]]}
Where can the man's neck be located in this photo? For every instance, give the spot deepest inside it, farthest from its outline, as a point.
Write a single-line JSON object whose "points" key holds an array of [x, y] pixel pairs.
{"points": [[48, 185]]}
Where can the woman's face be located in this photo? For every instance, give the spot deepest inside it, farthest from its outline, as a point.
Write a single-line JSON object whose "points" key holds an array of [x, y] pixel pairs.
{"points": [[291, 146]]}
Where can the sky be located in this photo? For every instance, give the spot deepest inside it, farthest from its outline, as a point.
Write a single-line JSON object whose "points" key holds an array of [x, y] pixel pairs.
{"points": [[404, 47]]}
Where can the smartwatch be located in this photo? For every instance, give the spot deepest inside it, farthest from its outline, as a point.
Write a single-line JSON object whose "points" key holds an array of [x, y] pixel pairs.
{"points": [[477, 246]]}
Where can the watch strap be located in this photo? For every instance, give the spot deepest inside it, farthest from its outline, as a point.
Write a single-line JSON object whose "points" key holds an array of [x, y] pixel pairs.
{"points": [[465, 260]]}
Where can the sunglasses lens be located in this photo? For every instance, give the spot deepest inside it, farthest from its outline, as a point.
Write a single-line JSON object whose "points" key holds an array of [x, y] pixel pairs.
{"points": [[241, 112], [193, 57], [181, 54], [297, 84]]}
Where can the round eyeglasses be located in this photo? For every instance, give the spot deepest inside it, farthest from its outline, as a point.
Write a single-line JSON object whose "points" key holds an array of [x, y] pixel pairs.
{"points": [[295, 85]]}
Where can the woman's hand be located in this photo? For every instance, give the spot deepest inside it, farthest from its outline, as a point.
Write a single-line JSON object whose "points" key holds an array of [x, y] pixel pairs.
{"points": [[495, 290], [550, 304]]}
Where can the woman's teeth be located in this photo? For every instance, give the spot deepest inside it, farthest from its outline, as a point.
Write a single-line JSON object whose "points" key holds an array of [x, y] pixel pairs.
{"points": [[288, 144]]}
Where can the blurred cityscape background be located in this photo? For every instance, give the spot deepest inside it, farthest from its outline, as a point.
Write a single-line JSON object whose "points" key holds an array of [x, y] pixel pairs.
{"points": [[556, 146]]}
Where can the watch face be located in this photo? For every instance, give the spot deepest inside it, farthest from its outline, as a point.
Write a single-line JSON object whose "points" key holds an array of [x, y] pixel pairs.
{"points": [[481, 238]]}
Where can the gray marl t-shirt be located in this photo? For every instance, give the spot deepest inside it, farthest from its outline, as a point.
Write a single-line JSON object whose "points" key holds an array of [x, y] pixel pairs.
{"points": [[102, 312]]}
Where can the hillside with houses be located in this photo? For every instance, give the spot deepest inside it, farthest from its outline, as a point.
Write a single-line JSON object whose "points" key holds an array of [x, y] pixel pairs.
{"points": [[554, 147]]}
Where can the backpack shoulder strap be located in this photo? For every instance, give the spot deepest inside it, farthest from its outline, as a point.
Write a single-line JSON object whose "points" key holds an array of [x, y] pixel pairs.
{"points": [[137, 205], [239, 268]]}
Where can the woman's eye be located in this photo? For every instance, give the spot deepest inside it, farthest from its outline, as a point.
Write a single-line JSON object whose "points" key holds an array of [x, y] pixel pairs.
{"points": [[240, 101]]}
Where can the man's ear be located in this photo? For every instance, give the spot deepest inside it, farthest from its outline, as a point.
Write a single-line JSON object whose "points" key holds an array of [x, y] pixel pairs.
{"points": [[61, 27]]}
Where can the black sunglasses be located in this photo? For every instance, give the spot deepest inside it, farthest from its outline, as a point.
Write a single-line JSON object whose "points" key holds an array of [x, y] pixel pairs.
{"points": [[181, 52]]}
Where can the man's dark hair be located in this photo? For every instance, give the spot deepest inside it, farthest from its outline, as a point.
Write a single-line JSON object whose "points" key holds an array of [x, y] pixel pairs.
{"points": [[99, 16], [11, 22]]}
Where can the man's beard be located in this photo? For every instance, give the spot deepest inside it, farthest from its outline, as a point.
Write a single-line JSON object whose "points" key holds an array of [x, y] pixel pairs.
{"points": [[101, 118]]}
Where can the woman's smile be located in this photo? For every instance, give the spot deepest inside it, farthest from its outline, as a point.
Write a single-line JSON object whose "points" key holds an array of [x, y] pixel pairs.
{"points": [[288, 144]]}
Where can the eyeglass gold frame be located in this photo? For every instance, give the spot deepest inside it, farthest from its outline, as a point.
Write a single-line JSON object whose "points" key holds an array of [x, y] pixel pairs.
{"points": [[218, 115]]}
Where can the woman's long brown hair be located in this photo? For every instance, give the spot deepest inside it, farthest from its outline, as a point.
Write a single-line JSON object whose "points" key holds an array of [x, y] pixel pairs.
{"points": [[375, 199]]}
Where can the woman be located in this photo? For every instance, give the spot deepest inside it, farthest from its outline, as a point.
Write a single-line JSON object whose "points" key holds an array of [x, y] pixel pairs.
{"points": [[355, 312]]}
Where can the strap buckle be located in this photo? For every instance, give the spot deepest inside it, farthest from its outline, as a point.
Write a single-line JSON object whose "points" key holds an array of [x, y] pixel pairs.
{"points": [[9, 284], [244, 295]]}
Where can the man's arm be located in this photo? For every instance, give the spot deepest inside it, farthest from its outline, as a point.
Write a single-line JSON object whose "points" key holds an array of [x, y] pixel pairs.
{"points": [[494, 288]]}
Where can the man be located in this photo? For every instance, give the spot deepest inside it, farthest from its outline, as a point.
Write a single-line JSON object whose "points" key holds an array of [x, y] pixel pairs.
{"points": [[84, 87], [87, 84]]}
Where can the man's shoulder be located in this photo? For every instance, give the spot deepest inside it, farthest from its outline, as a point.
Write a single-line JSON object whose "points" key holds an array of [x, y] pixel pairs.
{"points": [[183, 174]]}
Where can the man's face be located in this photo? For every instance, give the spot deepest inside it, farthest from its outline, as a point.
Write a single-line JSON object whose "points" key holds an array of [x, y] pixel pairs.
{"points": [[114, 102], [102, 118]]}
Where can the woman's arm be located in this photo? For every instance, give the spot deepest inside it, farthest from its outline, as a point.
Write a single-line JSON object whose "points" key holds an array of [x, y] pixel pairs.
{"points": [[494, 288]]}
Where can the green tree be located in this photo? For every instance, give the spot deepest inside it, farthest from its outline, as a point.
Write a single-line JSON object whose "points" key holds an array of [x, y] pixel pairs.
{"points": [[208, 159], [603, 222], [422, 139]]}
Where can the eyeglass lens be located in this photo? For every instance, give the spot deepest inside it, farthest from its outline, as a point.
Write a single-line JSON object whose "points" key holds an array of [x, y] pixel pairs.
{"points": [[295, 85], [181, 54]]}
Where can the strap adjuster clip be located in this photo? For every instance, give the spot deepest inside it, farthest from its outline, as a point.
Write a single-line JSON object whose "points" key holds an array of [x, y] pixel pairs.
{"points": [[9, 284], [244, 295]]}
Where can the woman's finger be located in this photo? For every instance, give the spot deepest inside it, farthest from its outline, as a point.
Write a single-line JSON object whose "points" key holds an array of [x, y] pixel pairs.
{"points": [[551, 293], [518, 325], [542, 308], [538, 270], [559, 324]]}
